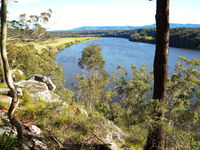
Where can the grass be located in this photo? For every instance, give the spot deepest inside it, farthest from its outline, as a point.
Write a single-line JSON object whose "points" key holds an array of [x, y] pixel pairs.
{"points": [[3, 85], [39, 45]]}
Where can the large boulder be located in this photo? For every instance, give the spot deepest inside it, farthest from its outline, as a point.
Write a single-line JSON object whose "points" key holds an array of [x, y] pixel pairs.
{"points": [[6, 91], [108, 133], [39, 90], [45, 80]]}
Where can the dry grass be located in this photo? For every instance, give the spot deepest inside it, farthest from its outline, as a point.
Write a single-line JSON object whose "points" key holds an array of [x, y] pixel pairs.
{"points": [[39, 45]]}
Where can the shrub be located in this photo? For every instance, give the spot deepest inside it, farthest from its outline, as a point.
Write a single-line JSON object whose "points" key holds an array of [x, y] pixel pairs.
{"points": [[8, 141]]}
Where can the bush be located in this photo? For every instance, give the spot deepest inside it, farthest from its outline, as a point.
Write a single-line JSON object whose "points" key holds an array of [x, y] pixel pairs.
{"points": [[8, 141]]}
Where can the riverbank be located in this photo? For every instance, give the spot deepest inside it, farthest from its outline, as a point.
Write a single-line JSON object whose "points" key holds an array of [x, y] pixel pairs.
{"points": [[56, 44], [187, 38]]}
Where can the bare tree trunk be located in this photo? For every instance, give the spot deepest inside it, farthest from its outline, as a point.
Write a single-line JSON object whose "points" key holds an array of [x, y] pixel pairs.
{"points": [[7, 73], [155, 140], [3, 75]]}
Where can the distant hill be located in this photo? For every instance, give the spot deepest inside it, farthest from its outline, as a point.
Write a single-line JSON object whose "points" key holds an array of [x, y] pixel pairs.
{"points": [[90, 28]]}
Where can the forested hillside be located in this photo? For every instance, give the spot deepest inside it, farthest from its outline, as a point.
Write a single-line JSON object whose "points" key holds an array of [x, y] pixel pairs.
{"points": [[179, 37]]}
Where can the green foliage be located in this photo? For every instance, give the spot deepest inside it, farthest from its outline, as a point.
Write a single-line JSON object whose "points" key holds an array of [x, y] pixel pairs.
{"points": [[2, 85], [30, 61], [25, 99], [91, 58], [25, 58], [183, 105], [29, 27], [133, 109], [179, 37], [90, 90], [64, 123], [138, 38], [90, 87], [133, 93], [185, 38], [8, 141], [4, 105]]}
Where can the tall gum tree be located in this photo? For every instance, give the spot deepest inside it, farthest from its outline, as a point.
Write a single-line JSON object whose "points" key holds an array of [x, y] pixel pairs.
{"points": [[155, 139], [7, 73]]}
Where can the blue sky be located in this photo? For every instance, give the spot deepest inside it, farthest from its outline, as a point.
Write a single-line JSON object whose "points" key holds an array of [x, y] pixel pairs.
{"points": [[68, 14]]}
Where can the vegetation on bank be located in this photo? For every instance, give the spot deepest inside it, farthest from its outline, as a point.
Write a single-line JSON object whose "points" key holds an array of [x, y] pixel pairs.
{"points": [[55, 44], [179, 37], [128, 104], [37, 58]]}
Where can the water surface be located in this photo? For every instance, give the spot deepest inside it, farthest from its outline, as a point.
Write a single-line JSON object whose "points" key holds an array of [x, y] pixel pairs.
{"points": [[119, 51]]}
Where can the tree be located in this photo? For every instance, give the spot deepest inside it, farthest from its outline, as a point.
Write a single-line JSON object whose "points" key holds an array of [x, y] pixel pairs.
{"points": [[91, 59], [90, 87], [155, 140], [7, 73], [29, 27]]}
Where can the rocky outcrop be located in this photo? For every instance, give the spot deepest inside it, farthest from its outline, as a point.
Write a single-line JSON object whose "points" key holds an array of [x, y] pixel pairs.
{"points": [[32, 138], [6, 91], [45, 80], [38, 90], [108, 133]]}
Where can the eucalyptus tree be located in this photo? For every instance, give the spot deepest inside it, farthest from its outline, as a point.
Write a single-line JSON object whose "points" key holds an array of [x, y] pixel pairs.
{"points": [[7, 73], [90, 87], [155, 140], [28, 28]]}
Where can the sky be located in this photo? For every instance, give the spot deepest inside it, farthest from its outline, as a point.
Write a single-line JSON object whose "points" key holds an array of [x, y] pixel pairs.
{"points": [[69, 14]]}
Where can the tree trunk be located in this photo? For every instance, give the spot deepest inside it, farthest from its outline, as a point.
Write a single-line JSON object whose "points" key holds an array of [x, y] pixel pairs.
{"points": [[155, 140], [7, 73], [3, 75]]}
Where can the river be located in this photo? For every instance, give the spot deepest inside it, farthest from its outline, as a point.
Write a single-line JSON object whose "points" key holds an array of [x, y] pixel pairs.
{"points": [[119, 51]]}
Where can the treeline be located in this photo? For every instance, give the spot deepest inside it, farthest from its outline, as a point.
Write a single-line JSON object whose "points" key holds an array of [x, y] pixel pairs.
{"points": [[179, 37], [92, 33]]}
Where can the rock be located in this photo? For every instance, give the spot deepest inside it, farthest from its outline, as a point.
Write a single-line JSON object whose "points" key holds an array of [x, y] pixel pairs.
{"points": [[4, 121], [6, 129], [17, 74], [6, 91], [113, 146], [39, 90], [44, 79], [117, 133], [35, 129], [108, 133], [83, 112], [4, 115], [39, 144], [108, 139], [5, 99], [19, 92]]}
